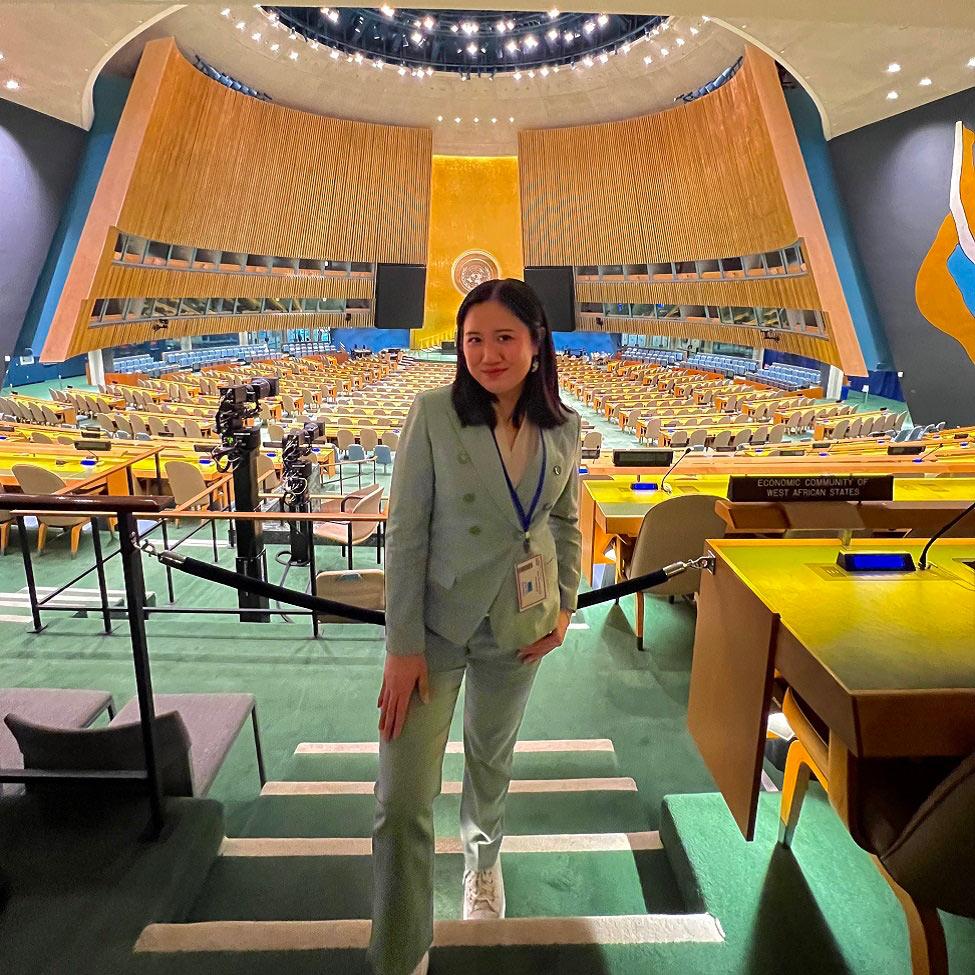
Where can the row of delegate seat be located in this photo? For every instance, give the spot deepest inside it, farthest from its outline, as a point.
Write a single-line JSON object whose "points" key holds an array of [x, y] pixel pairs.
{"points": [[664, 357], [727, 365], [208, 357], [789, 378], [309, 348], [139, 363]]}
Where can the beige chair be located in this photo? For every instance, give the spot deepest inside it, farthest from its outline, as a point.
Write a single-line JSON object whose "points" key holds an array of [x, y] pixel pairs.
{"points": [[368, 439], [106, 423], [391, 439], [122, 424], [138, 425], [760, 435], [841, 429], [186, 482], [853, 431], [275, 432], [652, 432], [367, 500], [593, 440], [36, 413], [776, 434], [345, 438], [65, 439], [191, 428], [157, 426], [698, 438], [175, 427], [674, 530], [740, 439], [38, 437], [722, 440], [679, 438], [38, 480], [288, 404], [364, 588], [267, 475], [50, 417]]}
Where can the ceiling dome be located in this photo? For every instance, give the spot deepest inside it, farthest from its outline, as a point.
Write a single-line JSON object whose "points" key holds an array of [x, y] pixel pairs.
{"points": [[467, 42]]}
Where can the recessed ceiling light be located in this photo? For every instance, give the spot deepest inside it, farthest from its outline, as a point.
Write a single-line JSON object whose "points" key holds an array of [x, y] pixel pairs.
{"points": [[664, 51], [293, 55], [429, 23], [225, 12], [457, 120], [924, 82], [517, 76], [602, 20], [892, 96], [387, 10], [511, 118], [604, 57], [476, 120], [648, 60], [416, 37], [11, 84], [472, 49], [494, 121], [544, 72], [893, 68], [971, 62], [240, 25], [439, 118], [695, 31], [552, 35], [275, 47], [335, 55], [511, 47], [553, 13], [680, 42], [255, 36]]}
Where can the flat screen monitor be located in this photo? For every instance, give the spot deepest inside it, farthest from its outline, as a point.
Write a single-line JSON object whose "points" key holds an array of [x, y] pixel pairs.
{"points": [[400, 289], [556, 291]]}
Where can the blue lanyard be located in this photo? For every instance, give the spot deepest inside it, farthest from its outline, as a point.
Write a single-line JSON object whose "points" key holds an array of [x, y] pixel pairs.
{"points": [[524, 517]]}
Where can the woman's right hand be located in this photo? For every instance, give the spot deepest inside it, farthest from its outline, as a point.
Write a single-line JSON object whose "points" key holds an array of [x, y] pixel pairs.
{"points": [[401, 675]]}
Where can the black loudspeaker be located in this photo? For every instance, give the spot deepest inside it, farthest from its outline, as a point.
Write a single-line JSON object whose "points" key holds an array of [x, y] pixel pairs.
{"points": [[556, 291], [659, 457], [400, 289]]}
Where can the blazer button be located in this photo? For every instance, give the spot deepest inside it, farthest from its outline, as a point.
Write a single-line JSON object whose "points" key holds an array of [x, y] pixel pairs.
{"points": [[463, 458], [469, 498], [556, 470], [475, 529]]}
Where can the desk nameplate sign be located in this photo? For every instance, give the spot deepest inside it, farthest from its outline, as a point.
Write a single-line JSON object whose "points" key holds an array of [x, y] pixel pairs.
{"points": [[875, 487]]}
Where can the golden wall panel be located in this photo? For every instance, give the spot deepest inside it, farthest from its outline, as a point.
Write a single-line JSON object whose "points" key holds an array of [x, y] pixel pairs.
{"points": [[701, 181], [474, 205], [796, 292], [197, 164]]}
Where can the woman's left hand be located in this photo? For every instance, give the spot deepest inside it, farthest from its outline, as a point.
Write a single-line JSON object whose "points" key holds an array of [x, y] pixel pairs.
{"points": [[551, 641]]}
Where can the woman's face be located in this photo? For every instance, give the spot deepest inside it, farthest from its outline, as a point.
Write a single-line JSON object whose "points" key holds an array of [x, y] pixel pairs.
{"points": [[498, 347]]}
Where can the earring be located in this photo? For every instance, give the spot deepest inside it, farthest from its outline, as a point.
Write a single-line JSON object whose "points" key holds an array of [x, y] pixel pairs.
{"points": [[534, 367]]}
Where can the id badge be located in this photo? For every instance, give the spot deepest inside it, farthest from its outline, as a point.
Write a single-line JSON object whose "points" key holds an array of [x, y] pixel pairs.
{"points": [[530, 582]]}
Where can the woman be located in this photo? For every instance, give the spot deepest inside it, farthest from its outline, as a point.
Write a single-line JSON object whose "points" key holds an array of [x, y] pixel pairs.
{"points": [[482, 569]]}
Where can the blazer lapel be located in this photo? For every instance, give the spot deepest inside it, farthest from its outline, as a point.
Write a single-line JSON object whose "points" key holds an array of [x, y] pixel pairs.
{"points": [[476, 446]]}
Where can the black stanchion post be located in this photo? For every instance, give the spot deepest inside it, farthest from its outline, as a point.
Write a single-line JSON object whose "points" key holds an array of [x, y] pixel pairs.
{"points": [[313, 573], [96, 537], [169, 572], [35, 610], [135, 594], [250, 533]]}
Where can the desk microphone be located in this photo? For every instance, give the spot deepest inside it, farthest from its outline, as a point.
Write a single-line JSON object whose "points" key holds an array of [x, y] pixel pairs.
{"points": [[922, 562], [664, 486]]}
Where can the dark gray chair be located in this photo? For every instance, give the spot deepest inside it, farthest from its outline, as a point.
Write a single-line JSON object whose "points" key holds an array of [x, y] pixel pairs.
{"points": [[55, 707], [194, 734]]}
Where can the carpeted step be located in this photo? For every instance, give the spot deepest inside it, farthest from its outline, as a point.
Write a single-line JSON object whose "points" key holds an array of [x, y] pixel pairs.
{"points": [[352, 815], [268, 888]]}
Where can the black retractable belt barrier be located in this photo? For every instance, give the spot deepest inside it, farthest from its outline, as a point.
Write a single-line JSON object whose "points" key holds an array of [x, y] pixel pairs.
{"points": [[213, 573]]}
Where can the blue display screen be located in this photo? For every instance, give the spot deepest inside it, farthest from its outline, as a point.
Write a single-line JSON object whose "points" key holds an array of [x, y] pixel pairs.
{"points": [[876, 561], [644, 486]]}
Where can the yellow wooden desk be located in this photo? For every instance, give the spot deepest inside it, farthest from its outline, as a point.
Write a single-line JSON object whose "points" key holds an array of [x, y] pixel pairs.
{"points": [[886, 661], [611, 507]]}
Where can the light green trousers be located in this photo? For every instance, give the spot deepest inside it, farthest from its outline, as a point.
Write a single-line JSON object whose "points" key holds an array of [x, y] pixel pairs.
{"points": [[410, 773]]}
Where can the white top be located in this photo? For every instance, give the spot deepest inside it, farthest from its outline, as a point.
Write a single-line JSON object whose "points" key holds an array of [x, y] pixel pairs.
{"points": [[517, 455]]}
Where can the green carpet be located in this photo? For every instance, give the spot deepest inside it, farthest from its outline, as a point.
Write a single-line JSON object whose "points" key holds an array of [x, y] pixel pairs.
{"points": [[823, 910]]}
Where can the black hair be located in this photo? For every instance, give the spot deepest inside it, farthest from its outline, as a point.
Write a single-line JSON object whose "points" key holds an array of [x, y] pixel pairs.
{"points": [[539, 400]]}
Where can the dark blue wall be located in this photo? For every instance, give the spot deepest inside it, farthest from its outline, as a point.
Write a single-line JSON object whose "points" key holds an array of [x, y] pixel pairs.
{"points": [[853, 275], [109, 96], [375, 339], [38, 160], [895, 176], [587, 342]]}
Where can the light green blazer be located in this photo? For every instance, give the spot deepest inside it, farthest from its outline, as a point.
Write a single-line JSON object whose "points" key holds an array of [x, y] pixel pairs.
{"points": [[453, 537]]}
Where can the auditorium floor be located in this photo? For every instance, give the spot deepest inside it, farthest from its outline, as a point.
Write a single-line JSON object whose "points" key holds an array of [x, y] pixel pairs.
{"points": [[822, 909]]}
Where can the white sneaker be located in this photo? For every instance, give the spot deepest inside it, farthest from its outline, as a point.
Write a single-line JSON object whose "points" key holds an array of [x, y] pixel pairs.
{"points": [[484, 894], [421, 969]]}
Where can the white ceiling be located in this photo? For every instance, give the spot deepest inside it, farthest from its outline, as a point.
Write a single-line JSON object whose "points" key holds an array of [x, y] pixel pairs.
{"points": [[839, 49], [622, 87]]}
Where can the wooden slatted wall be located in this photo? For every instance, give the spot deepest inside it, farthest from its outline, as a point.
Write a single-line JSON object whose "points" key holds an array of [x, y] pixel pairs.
{"points": [[206, 166], [696, 182]]}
